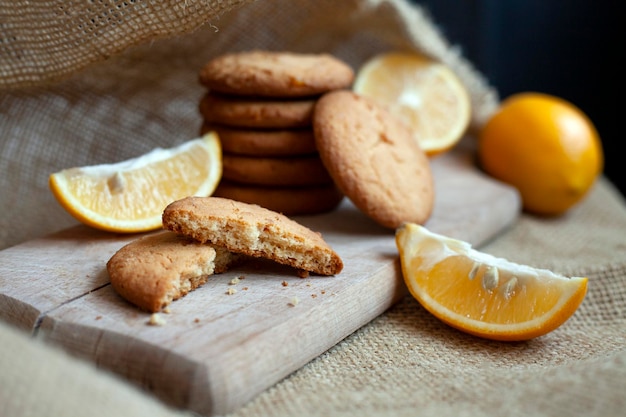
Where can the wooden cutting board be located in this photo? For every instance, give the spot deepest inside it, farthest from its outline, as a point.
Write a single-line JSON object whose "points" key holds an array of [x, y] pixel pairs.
{"points": [[217, 351]]}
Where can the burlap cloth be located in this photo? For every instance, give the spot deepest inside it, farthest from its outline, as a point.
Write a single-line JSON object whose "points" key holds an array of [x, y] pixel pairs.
{"points": [[93, 82]]}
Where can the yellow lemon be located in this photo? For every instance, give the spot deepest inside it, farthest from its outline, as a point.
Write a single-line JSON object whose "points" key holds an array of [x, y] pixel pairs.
{"points": [[545, 147]]}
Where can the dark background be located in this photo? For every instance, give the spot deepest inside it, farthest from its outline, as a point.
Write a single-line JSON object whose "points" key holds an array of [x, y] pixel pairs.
{"points": [[573, 49]]}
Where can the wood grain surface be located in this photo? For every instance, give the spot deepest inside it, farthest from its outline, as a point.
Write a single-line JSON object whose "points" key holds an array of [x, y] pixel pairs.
{"points": [[216, 351]]}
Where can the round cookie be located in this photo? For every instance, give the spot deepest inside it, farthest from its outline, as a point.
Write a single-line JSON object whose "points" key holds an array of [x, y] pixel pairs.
{"points": [[294, 171], [290, 201], [254, 142], [275, 74], [373, 159], [256, 113]]}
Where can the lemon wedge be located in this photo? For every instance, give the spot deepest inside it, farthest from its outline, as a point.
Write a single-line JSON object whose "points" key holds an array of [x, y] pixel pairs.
{"points": [[130, 196], [483, 295]]}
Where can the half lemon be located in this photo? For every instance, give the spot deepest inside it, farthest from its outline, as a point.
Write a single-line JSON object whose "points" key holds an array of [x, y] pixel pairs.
{"points": [[425, 94]]}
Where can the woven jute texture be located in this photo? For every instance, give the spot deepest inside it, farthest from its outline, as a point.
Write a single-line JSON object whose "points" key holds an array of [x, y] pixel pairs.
{"points": [[88, 82]]}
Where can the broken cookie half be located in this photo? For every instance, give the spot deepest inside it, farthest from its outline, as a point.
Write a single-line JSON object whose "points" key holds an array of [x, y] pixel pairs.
{"points": [[157, 269], [252, 230]]}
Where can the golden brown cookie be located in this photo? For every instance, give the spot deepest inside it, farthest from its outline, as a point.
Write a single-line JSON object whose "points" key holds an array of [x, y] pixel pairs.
{"points": [[154, 270], [290, 201], [254, 142], [373, 159], [288, 171], [275, 74], [252, 230], [257, 113]]}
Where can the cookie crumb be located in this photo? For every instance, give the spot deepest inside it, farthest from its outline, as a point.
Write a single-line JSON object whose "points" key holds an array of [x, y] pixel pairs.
{"points": [[313, 295], [156, 320], [294, 301], [284, 283], [231, 291], [98, 317], [167, 310], [245, 288], [302, 273], [234, 281], [196, 320]]}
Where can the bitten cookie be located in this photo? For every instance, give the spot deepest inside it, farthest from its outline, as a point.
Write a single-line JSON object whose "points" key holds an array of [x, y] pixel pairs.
{"points": [[275, 74], [288, 171], [252, 142], [252, 230], [265, 114], [290, 201], [155, 270], [373, 159]]}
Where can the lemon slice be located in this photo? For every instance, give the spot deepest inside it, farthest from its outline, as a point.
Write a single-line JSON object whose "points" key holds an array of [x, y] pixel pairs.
{"points": [[130, 196], [483, 295], [426, 94]]}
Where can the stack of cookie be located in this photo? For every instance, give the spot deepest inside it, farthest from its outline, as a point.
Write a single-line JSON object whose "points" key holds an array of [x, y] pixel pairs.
{"points": [[261, 105]]}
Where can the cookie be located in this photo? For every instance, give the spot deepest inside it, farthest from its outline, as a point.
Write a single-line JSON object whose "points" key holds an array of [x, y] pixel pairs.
{"points": [[253, 142], [288, 171], [256, 113], [373, 159], [290, 201], [275, 74], [157, 269], [252, 230]]}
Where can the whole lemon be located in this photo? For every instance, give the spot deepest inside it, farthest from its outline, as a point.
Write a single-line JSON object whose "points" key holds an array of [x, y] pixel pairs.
{"points": [[544, 146]]}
